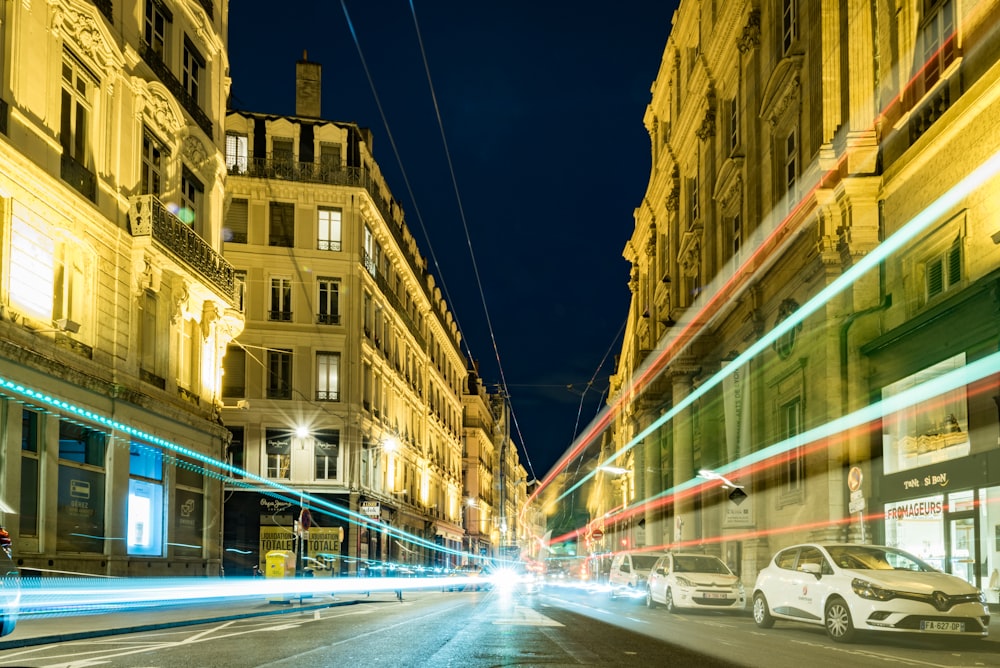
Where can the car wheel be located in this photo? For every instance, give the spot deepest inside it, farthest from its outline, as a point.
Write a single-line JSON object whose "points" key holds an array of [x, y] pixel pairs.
{"points": [[668, 598], [761, 613], [650, 603], [838, 621]]}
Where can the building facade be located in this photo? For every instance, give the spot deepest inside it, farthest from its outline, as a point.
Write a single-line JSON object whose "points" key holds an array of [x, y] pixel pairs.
{"points": [[347, 382], [117, 305], [815, 243]]}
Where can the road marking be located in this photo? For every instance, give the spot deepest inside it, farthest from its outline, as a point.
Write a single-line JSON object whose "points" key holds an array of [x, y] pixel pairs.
{"points": [[525, 616]]}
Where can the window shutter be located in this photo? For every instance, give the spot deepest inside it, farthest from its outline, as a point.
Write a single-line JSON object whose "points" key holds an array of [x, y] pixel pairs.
{"points": [[236, 221]]}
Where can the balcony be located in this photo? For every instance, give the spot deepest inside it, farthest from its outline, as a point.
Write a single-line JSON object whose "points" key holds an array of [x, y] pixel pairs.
{"points": [[77, 175], [149, 218]]}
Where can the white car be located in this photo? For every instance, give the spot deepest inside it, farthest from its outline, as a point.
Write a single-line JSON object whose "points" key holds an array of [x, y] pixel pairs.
{"points": [[629, 571], [849, 588], [693, 581]]}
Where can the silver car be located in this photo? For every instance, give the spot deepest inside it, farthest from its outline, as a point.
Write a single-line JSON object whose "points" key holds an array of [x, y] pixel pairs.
{"points": [[848, 588], [10, 586]]}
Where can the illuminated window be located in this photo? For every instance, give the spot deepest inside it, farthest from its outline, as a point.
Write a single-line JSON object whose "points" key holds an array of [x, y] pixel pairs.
{"points": [[327, 447], [328, 302], [328, 231], [278, 449], [327, 376], [279, 374], [145, 501], [32, 262], [369, 246], [281, 299], [70, 283], [236, 153]]}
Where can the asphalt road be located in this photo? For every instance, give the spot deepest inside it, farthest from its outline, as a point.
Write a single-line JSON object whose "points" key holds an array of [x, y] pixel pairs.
{"points": [[552, 628]]}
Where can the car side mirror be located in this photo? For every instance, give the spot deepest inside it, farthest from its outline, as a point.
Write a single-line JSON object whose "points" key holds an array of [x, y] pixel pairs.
{"points": [[815, 569], [660, 571]]}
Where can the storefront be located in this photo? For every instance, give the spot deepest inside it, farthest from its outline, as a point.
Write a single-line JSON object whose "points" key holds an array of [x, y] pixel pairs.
{"points": [[936, 458]]}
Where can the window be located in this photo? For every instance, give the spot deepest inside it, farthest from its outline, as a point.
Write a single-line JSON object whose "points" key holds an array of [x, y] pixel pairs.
{"points": [[737, 237], [30, 450], [153, 153], [693, 198], [192, 195], [149, 334], [789, 25], [281, 299], [791, 166], [329, 156], [240, 284], [234, 373], [70, 283], [235, 231], [794, 467], [282, 232], [369, 248], [939, 43], [328, 229], [279, 374], [80, 511], [328, 303], [155, 27], [144, 535], [192, 69], [235, 451], [74, 126], [282, 150], [734, 125], [278, 447], [944, 271], [236, 153], [327, 447], [189, 356], [327, 376], [188, 509]]}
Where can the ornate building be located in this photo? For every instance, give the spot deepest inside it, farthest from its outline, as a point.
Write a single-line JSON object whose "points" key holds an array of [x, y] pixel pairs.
{"points": [[116, 303], [347, 383], [815, 241]]}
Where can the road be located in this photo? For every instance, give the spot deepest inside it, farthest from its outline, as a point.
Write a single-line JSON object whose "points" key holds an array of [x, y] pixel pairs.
{"points": [[554, 627]]}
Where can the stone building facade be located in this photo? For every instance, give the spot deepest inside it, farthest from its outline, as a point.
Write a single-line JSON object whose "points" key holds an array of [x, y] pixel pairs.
{"points": [[816, 239], [116, 303]]}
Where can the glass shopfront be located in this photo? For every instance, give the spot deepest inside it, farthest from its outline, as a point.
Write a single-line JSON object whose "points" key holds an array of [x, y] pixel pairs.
{"points": [[956, 532]]}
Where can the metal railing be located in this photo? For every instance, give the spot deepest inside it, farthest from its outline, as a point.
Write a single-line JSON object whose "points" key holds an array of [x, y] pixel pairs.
{"points": [[149, 217]]}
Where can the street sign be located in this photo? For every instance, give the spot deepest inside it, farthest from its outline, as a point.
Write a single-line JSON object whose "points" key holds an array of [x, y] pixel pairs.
{"points": [[854, 478], [597, 534], [737, 496], [857, 494], [371, 508], [856, 506]]}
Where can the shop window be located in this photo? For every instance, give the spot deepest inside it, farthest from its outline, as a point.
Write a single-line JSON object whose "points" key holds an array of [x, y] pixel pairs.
{"points": [[80, 511], [929, 431], [189, 509], [145, 501], [30, 448]]}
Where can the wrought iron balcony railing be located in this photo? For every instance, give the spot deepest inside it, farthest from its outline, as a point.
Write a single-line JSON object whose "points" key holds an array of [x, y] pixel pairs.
{"points": [[148, 217], [77, 175], [160, 69]]}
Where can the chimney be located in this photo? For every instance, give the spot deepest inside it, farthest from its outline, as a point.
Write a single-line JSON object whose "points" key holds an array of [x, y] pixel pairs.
{"points": [[307, 87]]}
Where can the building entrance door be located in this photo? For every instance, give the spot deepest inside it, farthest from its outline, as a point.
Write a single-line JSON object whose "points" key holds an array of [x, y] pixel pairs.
{"points": [[962, 548]]}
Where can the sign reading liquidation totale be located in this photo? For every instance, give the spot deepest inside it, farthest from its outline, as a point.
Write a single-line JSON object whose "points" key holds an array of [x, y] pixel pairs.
{"points": [[323, 544]]}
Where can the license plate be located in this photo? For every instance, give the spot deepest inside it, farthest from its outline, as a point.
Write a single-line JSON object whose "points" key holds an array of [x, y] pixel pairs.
{"points": [[952, 627], [715, 594]]}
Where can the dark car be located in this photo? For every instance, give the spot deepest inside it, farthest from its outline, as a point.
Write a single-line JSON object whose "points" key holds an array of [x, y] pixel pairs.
{"points": [[10, 586]]}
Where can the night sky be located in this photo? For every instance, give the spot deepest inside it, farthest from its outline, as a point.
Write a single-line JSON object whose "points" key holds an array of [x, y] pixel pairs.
{"points": [[541, 103]]}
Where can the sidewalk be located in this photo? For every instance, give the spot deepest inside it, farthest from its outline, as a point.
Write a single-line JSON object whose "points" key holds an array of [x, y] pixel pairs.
{"points": [[45, 630]]}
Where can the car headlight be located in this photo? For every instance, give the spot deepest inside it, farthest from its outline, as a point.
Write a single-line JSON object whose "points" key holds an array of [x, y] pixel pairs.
{"points": [[982, 596], [683, 581], [872, 592]]}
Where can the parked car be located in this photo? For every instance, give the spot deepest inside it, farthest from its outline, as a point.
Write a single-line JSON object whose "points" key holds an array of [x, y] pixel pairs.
{"points": [[10, 586], [629, 571], [691, 581], [470, 577], [849, 588]]}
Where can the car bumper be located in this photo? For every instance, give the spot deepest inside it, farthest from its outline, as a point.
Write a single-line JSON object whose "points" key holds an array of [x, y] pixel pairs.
{"points": [[966, 619], [709, 600]]}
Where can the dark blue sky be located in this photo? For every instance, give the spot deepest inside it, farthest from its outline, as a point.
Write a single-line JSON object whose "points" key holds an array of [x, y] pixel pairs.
{"points": [[542, 104]]}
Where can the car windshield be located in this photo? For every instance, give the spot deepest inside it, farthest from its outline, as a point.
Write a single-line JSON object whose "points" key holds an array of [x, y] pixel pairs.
{"points": [[644, 562], [699, 564], [873, 557]]}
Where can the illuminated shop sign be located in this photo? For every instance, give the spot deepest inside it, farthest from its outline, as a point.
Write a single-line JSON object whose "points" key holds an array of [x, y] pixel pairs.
{"points": [[928, 508]]}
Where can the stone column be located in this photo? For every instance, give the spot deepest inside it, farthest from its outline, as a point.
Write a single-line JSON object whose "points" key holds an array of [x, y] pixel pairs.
{"points": [[683, 464]]}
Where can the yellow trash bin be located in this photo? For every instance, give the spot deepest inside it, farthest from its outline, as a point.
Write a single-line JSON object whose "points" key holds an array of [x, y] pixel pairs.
{"points": [[280, 564]]}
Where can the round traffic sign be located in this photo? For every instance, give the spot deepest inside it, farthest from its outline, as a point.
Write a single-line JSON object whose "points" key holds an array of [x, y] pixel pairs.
{"points": [[597, 534], [854, 479]]}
